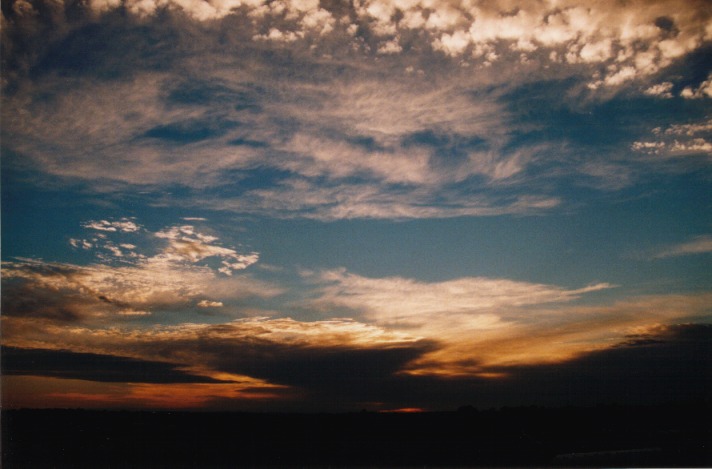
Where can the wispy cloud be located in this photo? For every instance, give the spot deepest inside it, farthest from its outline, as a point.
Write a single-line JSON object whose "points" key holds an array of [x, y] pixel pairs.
{"points": [[365, 113], [408, 301], [699, 245], [302, 198], [47, 392], [168, 279]]}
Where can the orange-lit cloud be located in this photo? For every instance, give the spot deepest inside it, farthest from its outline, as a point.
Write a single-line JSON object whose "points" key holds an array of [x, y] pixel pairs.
{"points": [[482, 323], [44, 392]]}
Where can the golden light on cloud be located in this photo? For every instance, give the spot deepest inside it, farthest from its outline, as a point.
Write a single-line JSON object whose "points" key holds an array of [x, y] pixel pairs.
{"points": [[198, 395], [546, 335], [475, 344], [45, 392]]}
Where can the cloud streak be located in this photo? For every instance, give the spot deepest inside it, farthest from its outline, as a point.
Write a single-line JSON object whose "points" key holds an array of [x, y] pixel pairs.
{"points": [[402, 299], [91, 367], [700, 245]]}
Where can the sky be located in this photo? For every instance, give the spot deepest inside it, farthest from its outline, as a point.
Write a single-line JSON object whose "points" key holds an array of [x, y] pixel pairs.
{"points": [[321, 205]]}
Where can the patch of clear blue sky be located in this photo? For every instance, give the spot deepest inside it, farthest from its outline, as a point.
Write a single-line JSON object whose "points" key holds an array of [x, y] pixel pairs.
{"points": [[608, 241]]}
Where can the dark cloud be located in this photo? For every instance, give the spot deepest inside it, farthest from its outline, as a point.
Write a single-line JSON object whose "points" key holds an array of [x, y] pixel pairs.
{"points": [[334, 370], [23, 298], [53, 291], [671, 365], [92, 367]]}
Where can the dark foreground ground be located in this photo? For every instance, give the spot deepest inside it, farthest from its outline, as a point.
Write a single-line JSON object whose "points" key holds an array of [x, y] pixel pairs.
{"points": [[664, 436]]}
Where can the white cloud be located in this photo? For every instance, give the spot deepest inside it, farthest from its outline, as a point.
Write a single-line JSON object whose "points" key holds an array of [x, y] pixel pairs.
{"points": [[619, 77], [663, 90], [337, 159], [390, 47], [679, 140], [453, 44], [200, 10], [185, 244], [238, 262], [278, 36], [114, 250], [406, 301], [687, 129], [210, 304], [696, 145], [319, 20], [704, 90], [102, 6], [98, 292], [125, 225], [306, 199], [443, 18], [699, 245], [596, 51], [596, 33], [80, 243]]}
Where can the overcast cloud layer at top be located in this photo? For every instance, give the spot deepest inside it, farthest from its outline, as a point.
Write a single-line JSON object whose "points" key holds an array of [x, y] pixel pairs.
{"points": [[373, 109]]}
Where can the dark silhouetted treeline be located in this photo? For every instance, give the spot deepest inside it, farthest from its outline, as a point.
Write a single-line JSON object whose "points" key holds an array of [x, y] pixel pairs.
{"points": [[665, 435]]}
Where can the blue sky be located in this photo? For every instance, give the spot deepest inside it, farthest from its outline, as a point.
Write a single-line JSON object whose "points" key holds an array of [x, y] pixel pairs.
{"points": [[422, 192]]}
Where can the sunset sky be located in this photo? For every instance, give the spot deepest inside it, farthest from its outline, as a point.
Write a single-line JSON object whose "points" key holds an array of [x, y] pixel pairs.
{"points": [[331, 205]]}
